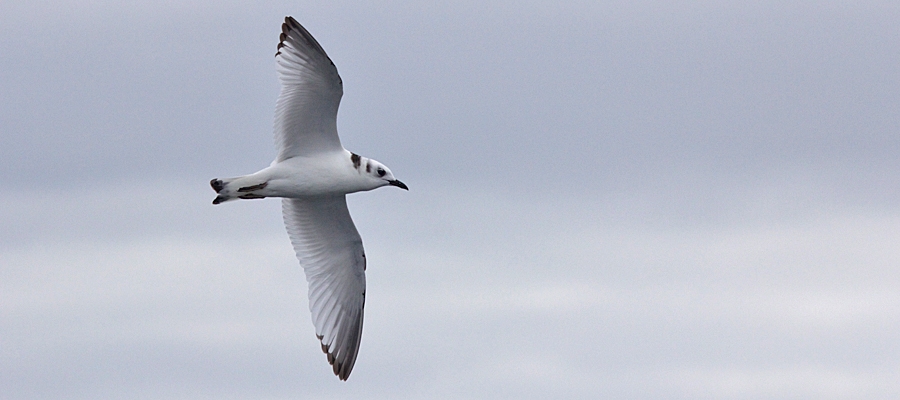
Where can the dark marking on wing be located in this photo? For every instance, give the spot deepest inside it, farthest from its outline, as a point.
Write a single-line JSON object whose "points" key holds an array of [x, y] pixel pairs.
{"points": [[337, 368], [324, 347], [291, 25], [250, 196], [254, 187]]}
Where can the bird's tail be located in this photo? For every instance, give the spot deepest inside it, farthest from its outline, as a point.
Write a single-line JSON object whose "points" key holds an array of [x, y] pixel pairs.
{"points": [[236, 188]]}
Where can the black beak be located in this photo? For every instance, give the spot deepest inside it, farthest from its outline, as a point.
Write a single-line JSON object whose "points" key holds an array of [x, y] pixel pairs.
{"points": [[398, 184]]}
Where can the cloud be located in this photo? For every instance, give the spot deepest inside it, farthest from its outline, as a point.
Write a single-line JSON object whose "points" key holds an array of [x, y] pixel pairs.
{"points": [[568, 297], [607, 200]]}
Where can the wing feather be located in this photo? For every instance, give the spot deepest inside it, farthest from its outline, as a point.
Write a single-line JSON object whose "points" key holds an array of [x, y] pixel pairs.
{"points": [[331, 253], [311, 90]]}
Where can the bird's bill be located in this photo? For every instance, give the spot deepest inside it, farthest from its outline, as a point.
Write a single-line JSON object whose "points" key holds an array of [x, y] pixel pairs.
{"points": [[398, 184]]}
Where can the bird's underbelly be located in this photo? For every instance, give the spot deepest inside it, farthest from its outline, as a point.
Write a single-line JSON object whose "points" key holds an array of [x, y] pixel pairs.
{"points": [[307, 177], [297, 186]]}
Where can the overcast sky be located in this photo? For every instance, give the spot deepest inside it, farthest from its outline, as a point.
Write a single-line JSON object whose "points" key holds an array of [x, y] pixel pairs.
{"points": [[629, 200]]}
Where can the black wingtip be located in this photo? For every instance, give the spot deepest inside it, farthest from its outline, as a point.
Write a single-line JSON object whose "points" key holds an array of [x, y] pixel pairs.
{"points": [[300, 33], [289, 24], [336, 367]]}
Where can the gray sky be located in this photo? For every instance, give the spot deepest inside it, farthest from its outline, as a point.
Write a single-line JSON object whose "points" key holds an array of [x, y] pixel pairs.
{"points": [[620, 200]]}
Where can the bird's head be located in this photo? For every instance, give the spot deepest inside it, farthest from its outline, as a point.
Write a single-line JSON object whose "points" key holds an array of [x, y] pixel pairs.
{"points": [[383, 174]]}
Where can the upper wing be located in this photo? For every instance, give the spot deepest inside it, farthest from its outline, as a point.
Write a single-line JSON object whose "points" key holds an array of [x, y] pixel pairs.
{"points": [[311, 90], [331, 253]]}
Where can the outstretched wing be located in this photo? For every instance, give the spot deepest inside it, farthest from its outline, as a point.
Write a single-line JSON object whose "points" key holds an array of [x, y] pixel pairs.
{"points": [[331, 253], [311, 90]]}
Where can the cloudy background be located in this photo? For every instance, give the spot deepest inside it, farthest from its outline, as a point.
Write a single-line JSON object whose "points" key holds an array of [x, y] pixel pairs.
{"points": [[631, 200]]}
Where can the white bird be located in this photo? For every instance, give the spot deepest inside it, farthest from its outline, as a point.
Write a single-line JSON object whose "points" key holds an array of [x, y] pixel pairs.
{"points": [[312, 173]]}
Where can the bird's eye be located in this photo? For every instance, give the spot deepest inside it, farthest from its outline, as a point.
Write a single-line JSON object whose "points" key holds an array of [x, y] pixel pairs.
{"points": [[381, 171]]}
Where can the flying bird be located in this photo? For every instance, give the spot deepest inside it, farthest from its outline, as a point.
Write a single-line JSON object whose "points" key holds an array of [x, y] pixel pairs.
{"points": [[312, 173]]}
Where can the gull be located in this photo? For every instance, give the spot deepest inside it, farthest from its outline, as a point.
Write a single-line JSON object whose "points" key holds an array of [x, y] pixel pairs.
{"points": [[312, 173]]}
